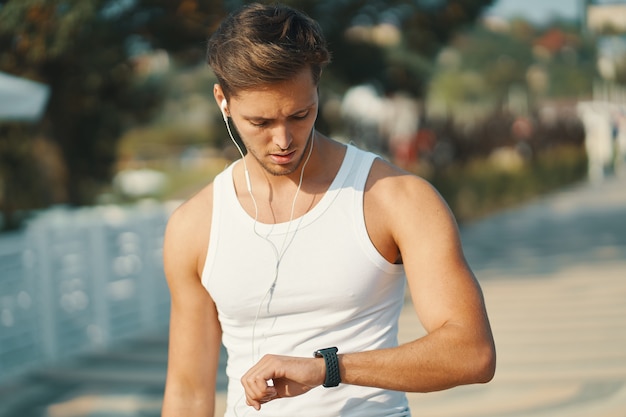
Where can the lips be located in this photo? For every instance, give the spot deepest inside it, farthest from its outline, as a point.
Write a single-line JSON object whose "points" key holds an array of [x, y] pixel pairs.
{"points": [[282, 158]]}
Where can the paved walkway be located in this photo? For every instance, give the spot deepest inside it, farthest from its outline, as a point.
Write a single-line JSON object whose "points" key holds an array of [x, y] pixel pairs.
{"points": [[554, 277]]}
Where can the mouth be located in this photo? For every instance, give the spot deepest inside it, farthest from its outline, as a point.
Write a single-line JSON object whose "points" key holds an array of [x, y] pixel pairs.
{"points": [[283, 157]]}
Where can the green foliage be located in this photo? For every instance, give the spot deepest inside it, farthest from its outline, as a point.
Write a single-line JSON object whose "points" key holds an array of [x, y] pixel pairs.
{"points": [[83, 50], [482, 187], [425, 27], [30, 173], [485, 70]]}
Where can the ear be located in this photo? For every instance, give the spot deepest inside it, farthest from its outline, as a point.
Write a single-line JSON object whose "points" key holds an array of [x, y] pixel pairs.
{"points": [[220, 99]]}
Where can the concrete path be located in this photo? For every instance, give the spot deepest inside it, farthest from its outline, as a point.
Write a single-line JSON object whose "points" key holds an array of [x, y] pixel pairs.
{"points": [[554, 277]]}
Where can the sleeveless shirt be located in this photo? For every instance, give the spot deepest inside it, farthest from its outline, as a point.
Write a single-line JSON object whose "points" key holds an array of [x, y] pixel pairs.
{"points": [[331, 288]]}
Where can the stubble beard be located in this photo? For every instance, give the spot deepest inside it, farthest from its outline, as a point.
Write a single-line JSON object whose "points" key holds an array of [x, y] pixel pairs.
{"points": [[281, 170]]}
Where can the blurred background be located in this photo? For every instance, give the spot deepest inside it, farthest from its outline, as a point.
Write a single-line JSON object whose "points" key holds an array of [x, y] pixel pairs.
{"points": [[107, 122], [487, 99]]}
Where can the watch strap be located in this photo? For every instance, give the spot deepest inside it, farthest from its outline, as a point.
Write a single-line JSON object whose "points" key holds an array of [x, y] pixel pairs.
{"points": [[333, 378]]}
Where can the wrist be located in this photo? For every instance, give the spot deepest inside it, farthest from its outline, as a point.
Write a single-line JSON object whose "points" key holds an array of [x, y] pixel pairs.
{"points": [[331, 362]]}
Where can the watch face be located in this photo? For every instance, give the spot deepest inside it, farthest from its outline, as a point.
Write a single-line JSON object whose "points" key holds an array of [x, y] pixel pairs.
{"points": [[321, 352]]}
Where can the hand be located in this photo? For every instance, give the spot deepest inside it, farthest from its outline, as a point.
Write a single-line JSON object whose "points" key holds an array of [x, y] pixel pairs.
{"points": [[290, 376]]}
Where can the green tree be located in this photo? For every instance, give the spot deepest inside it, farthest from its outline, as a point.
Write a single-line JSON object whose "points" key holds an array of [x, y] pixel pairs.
{"points": [[486, 70], [426, 26], [83, 50]]}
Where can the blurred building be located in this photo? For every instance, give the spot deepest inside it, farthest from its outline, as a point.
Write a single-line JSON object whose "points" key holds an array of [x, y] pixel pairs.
{"points": [[604, 116], [606, 17]]}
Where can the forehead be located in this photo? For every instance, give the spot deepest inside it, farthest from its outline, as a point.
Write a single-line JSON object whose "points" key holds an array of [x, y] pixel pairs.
{"points": [[298, 91]]}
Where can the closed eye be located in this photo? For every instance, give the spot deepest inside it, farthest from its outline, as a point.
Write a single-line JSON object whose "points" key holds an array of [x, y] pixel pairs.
{"points": [[260, 123], [301, 116]]}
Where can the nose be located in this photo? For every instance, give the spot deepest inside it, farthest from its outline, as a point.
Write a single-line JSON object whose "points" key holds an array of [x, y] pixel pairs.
{"points": [[281, 137]]}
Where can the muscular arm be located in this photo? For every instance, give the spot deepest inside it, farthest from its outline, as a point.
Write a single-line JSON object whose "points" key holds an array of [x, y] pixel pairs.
{"points": [[195, 334], [405, 216]]}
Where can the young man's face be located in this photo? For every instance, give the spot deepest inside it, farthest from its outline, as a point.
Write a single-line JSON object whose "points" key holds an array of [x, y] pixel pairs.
{"points": [[275, 122]]}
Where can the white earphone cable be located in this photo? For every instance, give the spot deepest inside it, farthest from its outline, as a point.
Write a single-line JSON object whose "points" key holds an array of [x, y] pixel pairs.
{"points": [[284, 245]]}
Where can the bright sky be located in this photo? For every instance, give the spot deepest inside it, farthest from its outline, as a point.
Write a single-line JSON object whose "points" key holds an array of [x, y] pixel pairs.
{"points": [[538, 11]]}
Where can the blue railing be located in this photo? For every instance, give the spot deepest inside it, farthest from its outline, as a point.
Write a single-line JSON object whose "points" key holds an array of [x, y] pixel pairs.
{"points": [[79, 280]]}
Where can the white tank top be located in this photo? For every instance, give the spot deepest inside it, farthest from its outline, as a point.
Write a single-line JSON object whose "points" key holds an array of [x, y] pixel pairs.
{"points": [[333, 288]]}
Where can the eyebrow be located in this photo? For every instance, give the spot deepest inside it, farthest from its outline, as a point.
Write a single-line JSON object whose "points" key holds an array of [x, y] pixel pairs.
{"points": [[259, 118]]}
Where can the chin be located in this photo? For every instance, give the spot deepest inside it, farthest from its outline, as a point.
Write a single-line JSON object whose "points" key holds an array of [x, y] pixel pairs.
{"points": [[280, 170]]}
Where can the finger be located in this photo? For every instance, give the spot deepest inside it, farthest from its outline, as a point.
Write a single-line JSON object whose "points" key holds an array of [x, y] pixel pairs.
{"points": [[257, 389], [256, 385], [269, 395], [254, 404]]}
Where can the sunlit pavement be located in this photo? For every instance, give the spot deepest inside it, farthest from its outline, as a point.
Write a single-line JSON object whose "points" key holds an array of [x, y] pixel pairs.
{"points": [[554, 278]]}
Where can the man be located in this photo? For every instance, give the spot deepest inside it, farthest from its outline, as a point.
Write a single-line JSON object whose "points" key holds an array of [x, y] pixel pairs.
{"points": [[305, 245]]}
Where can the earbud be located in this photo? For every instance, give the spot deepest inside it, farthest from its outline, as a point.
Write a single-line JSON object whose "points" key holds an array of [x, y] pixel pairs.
{"points": [[223, 106]]}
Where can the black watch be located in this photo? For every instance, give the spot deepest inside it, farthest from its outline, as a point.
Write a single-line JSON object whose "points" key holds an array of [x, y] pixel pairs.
{"points": [[332, 366]]}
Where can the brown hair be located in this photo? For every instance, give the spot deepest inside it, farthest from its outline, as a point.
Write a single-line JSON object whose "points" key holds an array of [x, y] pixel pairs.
{"points": [[264, 44]]}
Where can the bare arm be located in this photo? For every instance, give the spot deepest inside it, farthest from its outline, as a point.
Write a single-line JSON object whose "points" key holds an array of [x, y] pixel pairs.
{"points": [[405, 216], [195, 334], [458, 348]]}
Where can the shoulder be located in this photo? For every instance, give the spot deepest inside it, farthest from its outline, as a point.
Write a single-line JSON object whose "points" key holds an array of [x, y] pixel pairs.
{"points": [[403, 212], [389, 184], [187, 232], [407, 203]]}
